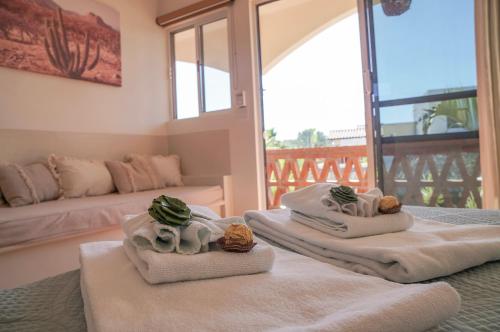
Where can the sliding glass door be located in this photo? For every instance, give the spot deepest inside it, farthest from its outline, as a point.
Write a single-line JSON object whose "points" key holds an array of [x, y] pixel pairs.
{"points": [[425, 125]]}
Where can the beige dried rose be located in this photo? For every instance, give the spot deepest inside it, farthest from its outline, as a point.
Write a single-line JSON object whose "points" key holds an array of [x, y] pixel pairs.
{"points": [[389, 205], [238, 234]]}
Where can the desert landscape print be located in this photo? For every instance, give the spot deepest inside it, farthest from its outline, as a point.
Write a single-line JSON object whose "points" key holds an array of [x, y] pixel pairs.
{"points": [[77, 39]]}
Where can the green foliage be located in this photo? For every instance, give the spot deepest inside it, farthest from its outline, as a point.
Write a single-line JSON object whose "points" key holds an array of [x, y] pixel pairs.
{"points": [[170, 211], [461, 113], [311, 138], [308, 138], [343, 195], [271, 141]]}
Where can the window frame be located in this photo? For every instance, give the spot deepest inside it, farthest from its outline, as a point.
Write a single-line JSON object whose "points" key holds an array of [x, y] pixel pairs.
{"points": [[197, 24], [377, 104]]}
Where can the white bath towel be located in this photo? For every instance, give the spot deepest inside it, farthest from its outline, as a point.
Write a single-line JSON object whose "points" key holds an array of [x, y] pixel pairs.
{"points": [[146, 233], [158, 268], [428, 250], [299, 294], [315, 210]]}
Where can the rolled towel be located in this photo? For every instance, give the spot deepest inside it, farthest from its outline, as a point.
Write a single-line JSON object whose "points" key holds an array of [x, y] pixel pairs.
{"points": [[311, 206], [366, 206], [145, 233], [158, 268]]}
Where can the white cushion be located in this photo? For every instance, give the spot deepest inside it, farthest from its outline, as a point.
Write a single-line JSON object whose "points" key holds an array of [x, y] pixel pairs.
{"points": [[81, 177], [168, 167]]}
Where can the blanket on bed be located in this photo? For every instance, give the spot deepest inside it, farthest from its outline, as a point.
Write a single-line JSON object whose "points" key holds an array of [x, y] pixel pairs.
{"points": [[428, 250], [55, 304], [298, 294]]}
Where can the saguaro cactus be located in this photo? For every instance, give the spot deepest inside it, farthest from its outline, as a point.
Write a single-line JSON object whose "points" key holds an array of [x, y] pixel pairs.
{"points": [[70, 62]]}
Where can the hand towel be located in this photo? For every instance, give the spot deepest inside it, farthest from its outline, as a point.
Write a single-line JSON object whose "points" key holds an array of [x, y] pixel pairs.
{"points": [[428, 250], [312, 208], [170, 267], [299, 294], [366, 206], [146, 233]]}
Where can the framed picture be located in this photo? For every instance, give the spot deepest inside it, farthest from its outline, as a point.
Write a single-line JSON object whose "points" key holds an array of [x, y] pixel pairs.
{"points": [[77, 39]]}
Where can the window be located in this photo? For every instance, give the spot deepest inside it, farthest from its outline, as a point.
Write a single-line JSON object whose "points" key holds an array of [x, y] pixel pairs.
{"points": [[200, 68], [424, 101]]}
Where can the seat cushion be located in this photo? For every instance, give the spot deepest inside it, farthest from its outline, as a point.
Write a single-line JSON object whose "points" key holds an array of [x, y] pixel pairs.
{"points": [[65, 217], [23, 185]]}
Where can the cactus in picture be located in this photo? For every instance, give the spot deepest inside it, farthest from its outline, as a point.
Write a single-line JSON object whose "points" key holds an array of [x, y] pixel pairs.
{"points": [[71, 63]]}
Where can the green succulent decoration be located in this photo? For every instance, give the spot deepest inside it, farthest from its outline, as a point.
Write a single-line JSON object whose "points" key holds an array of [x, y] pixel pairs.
{"points": [[343, 195], [170, 211]]}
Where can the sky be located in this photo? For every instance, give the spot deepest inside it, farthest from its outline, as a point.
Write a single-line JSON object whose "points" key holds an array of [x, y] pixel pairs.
{"points": [[318, 85]]}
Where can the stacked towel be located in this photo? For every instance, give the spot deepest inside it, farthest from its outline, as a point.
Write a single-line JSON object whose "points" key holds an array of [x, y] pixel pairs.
{"points": [[158, 268], [300, 294], [163, 253], [428, 250], [313, 206]]}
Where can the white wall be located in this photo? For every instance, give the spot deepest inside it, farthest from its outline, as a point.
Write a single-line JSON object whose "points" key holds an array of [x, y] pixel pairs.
{"points": [[49, 103]]}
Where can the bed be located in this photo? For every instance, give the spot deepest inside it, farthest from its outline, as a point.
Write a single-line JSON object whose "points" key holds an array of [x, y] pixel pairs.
{"points": [[55, 304]]}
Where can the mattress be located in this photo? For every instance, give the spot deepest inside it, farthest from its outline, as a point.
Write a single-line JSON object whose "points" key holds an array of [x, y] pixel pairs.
{"points": [[55, 304], [52, 219]]}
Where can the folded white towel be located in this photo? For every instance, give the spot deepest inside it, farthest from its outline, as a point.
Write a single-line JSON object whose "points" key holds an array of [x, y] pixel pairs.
{"points": [[313, 207], [146, 233], [299, 294], [428, 250], [158, 268]]}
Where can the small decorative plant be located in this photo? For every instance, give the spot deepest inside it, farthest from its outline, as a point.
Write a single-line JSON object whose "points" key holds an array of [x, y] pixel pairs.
{"points": [[343, 195], [170, 211]]}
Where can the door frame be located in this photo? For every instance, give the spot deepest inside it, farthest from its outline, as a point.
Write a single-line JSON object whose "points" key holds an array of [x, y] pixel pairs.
{"points": [[367, 88]]}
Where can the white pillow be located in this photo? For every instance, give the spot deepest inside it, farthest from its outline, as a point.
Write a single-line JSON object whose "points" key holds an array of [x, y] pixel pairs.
{"points": [[168, 168], [81, 177]]}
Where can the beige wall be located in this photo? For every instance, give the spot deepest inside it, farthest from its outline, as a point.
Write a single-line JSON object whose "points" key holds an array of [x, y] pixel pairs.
{"points": [[283, 37], [32, 101], [27, 146], [202, 153]]}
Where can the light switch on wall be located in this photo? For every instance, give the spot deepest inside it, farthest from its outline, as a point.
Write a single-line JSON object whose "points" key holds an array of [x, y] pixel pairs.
{"points": [[241, 99]]}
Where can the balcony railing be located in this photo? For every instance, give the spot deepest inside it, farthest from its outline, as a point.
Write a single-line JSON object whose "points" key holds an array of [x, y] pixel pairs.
{"points": [[290, 169], [433, 173]]}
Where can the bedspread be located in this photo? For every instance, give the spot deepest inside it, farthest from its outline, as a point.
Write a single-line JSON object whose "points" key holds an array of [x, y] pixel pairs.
{"points": [[55, 304]]}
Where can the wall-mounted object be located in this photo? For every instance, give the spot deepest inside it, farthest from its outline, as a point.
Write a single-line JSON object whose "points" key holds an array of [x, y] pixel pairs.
{"points": [[190, 11], [77, 39], [395, 7]]}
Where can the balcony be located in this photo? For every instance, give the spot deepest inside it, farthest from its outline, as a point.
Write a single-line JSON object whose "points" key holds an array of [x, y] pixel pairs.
{"points": [[291, 169], [428, 173]]}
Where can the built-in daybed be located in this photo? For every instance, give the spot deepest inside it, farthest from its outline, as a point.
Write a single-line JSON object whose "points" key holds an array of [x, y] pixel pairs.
{"points": [[29, 224]]}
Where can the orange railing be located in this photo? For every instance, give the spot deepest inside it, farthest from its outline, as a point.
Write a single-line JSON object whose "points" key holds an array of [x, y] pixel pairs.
{"points": [[433, 173], [290, 169]]}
